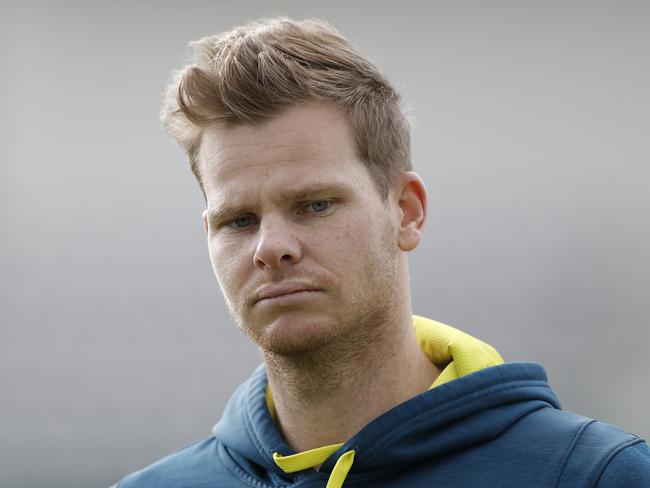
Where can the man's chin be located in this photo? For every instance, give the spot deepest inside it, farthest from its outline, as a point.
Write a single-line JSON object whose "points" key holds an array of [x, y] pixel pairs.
{"points": [[296, 337]]}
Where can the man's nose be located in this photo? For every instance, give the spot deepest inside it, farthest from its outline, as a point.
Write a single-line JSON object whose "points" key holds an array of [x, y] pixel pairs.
{"points": [[277, 245]]}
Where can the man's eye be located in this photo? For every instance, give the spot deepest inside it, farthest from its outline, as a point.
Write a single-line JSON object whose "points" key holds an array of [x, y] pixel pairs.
{"points": [[319, 206], [246, 221], [241, 222]]}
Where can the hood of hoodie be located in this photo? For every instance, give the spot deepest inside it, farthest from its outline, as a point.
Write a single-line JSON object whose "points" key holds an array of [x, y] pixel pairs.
{"points": [[475, 399]]}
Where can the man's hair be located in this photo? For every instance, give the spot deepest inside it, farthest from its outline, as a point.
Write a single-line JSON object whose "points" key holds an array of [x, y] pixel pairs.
{"points": [[251, 73]]}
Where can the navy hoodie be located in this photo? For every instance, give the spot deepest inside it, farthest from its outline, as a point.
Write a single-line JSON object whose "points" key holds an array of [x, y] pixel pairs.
{"points": [[500, 426]]}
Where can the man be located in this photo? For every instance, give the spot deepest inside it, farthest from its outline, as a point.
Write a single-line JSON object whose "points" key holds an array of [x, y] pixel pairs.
{"points": [[302, 152]]}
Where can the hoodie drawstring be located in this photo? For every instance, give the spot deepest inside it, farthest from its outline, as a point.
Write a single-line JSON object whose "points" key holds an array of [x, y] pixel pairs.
{"points": [[316, 457]]}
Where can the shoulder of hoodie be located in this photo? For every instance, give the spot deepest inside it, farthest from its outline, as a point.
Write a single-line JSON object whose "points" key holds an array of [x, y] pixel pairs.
{"points": [[197, 461], [603, 454]]}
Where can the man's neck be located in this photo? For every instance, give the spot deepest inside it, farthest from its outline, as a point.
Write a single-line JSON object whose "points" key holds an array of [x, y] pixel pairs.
{"points": [[327, 397]]}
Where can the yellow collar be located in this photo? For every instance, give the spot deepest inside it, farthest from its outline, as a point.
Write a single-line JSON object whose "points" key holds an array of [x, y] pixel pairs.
{"points": [[449, 348]]}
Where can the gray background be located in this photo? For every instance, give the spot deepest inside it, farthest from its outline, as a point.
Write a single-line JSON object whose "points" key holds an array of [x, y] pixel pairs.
{"points": [[532, 122]]}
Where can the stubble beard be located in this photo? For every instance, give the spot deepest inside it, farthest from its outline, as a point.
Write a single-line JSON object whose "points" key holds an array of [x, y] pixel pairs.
{"points": [[345, 332], [346, 344]]}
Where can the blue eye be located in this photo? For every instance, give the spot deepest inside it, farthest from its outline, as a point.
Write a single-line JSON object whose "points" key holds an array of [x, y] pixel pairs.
{"points": [[241, 222], [320, 206], [245, 221]]}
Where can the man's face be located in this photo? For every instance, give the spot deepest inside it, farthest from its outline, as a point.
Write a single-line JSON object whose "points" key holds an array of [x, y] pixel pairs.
{"points": [[303, 247]]}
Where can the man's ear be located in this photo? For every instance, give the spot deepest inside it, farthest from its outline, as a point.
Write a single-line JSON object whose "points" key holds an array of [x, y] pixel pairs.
{"points": [[205, 221], [412, 202]]}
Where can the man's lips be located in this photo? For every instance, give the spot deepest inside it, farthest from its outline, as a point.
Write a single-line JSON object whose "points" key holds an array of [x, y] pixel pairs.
{"points": [[285, 292], [291, 298]]}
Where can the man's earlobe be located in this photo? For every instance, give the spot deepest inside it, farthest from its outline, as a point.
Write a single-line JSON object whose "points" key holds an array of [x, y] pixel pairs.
{"points": [[413, 209]]}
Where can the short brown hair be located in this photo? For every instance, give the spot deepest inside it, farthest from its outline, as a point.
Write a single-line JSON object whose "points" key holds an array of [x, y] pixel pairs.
{"points": [[252, 72]]}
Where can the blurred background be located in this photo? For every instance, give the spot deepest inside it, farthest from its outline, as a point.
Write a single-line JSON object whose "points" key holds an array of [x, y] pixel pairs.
{"points": [[531, 130]]}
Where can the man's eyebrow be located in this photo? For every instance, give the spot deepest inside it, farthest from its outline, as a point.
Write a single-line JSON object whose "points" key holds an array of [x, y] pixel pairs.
{"points": [[222, 213], [316, 189]]}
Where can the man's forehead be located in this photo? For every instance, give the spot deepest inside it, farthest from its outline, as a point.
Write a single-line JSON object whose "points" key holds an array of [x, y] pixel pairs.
{"points": [[310, 132], [228, 159], [222, 157]]}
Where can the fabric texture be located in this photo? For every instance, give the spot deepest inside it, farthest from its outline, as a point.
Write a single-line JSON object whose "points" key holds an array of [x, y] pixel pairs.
{"points": [[482, 423]]}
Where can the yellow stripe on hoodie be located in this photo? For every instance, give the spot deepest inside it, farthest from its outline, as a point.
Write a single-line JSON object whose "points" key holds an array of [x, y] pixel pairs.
{"points": [[449, 348]]}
